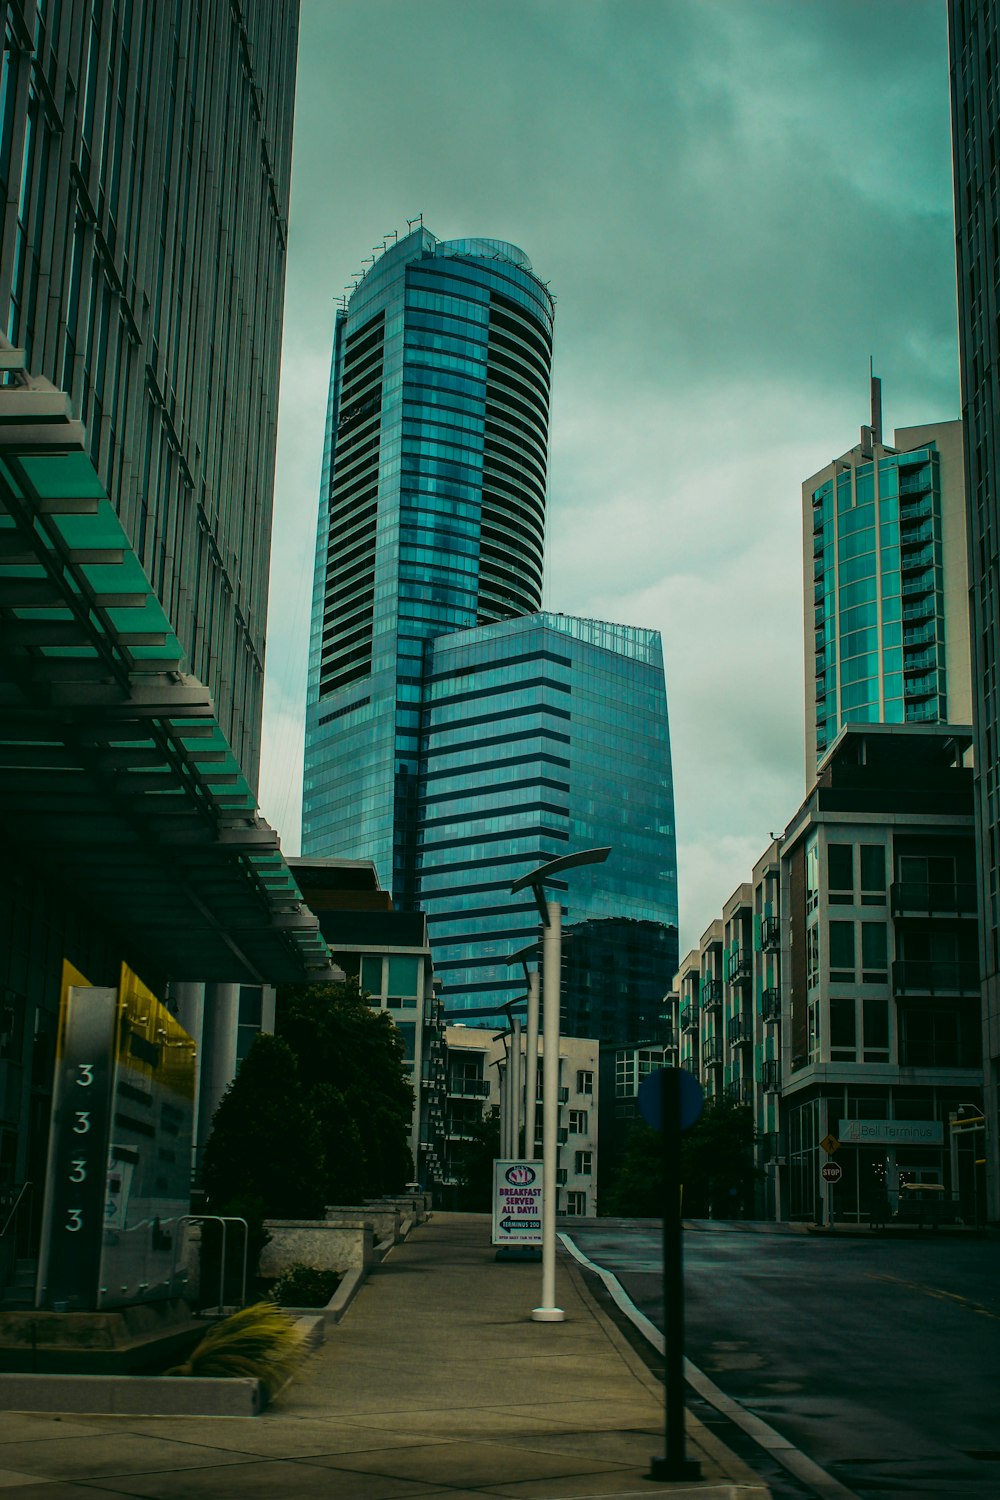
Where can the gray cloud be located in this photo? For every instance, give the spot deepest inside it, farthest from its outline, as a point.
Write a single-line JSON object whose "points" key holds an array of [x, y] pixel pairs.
{"points": [[735, 204]]}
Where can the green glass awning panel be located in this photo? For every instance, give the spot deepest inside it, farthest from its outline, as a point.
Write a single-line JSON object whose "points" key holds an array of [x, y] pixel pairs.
{"points": [[55, 476], [114, 772]]}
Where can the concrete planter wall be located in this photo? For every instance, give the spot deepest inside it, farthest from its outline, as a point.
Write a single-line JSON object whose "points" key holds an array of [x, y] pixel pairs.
{"points": [[384, 1219], [343, 1246]]}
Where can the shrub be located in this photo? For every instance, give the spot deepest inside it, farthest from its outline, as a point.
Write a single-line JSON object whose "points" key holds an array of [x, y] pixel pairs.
{"points": [[259, 1342], [305, 1286]]}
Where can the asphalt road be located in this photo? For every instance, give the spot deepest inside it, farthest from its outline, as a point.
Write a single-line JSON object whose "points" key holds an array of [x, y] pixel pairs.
{"points": [[878, 1358]]}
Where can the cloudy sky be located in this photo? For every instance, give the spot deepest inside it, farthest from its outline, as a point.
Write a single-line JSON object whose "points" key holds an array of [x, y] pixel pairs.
{"points": [[736, 202]]}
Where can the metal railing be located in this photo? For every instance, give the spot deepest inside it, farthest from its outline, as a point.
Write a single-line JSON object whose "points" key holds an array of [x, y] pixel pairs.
{"points": [[770, 1004], [949, 897], [770, 932], [739, 1031], [935, 976]]}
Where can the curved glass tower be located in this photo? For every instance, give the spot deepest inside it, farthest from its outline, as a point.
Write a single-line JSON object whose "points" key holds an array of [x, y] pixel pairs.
{"points": [[432, 518]]}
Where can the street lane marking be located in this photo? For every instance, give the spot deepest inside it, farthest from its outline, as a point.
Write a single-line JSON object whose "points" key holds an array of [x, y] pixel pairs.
{"points": [[936, 1291], [779, 1448]]}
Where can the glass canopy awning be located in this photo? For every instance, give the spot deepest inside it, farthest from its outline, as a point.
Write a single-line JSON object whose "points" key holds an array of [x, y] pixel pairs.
{"points": [[115, 778]]}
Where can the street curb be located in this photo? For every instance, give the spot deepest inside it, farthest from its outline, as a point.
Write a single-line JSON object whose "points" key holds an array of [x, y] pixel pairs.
{"points": [[779, 1448], [735, 1471]]}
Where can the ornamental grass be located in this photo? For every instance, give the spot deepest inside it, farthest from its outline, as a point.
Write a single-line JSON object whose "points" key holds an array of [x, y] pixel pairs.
{"points": [[259, 1342]]}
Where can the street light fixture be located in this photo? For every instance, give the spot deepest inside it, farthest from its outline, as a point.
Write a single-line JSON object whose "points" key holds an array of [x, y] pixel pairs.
{"points": [[530, 1045], [551, 914]]}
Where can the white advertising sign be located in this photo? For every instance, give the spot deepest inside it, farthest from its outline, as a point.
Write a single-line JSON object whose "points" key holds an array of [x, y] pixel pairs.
{"points": [[517, 1203], [891, 1133]]}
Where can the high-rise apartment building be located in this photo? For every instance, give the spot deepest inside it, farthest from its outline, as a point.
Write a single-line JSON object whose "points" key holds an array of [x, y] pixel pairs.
{"points": [[886, 584], [456, 736], [975, 109], [432, 518]]}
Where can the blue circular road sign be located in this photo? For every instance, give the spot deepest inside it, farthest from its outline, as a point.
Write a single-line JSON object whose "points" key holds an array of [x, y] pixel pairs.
{"points": [[650, 1101]]}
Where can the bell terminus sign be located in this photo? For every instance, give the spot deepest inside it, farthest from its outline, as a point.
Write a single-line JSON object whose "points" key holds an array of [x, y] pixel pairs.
{"points": [[891, 1132], [517, 1203]]}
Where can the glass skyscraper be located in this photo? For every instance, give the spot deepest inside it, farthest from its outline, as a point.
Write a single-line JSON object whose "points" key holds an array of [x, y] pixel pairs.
{"points": [[455, 735], [887, 634], [541, 736], [431, 518]]}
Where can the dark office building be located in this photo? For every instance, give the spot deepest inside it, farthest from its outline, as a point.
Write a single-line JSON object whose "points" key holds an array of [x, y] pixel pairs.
{"points": [[144, 167], [975, 76]]}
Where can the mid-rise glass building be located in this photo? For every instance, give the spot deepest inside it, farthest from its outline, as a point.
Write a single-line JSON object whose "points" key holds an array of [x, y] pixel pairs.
{"points": [[886, 583], [431, 517], [541, 736]]}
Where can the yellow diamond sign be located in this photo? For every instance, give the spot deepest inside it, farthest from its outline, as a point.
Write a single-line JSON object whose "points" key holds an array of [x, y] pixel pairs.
{"points": [[830, 1144]]}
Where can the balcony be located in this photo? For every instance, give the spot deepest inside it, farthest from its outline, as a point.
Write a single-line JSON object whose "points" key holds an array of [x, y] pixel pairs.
{"points": [[923, 635], [923, 713], [690, 1065], [921, 687], [913, 536], [740, 1091], [770, 1076], [918, 976], [914, 510], [770, 932], [739, 966], [770, 1004], [711, 1051], [916, 482], [468, 1088], [711, 994], [922, 584], [739, 1031], [915, 561], [930, 898], [689, 1016], [924, 609]]}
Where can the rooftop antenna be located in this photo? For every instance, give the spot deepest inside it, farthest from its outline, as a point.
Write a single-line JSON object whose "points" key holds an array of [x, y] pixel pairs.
{"points": [[876, 394]]}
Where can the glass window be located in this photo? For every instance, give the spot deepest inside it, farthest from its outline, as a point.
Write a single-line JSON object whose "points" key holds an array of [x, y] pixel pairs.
{"points": [[812, 877], [876, 1036], [841, 952], [874, 952], [843, 1029], [812, 957], [578, 1122], [840, 871], [576, 1203], [403, 975], [583, 1163], [371, 975], [584, 1082]]}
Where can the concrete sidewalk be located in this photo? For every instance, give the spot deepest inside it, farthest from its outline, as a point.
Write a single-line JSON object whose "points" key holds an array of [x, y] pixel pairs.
{"points": [[437, 1383]]}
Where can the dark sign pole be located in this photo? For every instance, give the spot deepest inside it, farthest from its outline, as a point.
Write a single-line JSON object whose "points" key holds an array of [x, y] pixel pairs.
{"points": [[674, 1464]]}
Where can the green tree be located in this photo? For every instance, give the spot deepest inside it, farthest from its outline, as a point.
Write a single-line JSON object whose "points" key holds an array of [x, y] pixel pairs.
{"points": [[717, 1168], [319, 1113], [473, 1163]]}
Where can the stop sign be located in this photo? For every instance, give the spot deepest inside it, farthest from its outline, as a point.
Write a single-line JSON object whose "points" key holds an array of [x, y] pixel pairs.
{"points": [[830, 1172]]}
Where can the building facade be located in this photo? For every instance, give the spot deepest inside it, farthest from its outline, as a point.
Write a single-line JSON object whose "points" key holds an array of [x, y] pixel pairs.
{"points": [[838, 993], [474, 1061], [975, 119], [145, 157], [543, 735], [884, 560], [144, 169], [431, 519], [388, 953]]}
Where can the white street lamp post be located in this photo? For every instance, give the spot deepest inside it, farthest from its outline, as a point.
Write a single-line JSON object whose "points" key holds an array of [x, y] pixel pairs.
{"points": [[551, 914], [531, 1067]]}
